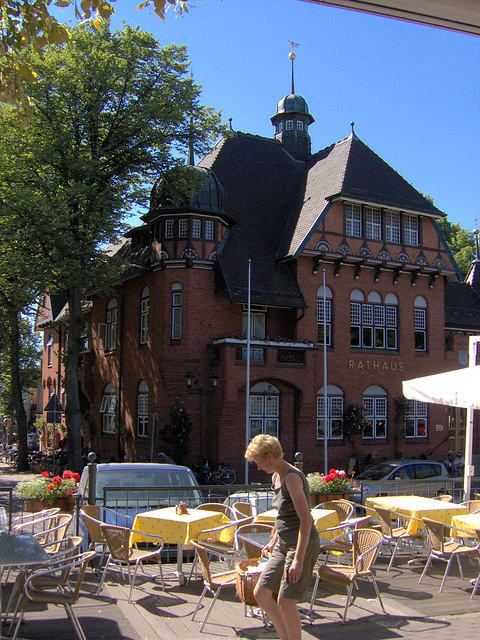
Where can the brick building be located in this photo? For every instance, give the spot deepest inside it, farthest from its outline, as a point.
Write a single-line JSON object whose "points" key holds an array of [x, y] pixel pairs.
{"points": [[339, 247]]}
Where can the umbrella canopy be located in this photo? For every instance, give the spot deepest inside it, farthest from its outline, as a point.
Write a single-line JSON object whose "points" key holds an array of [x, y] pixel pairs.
{"points": [[459, 388]]}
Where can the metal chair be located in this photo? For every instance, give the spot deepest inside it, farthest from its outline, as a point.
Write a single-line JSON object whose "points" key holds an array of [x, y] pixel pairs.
{"points": [[445, 550], [67, 548], [342, 543], [245, 509], [230, 512], [472, 505], [125, 555], [93, 516], [396, 536], [212, 582], [54, 596], [344, 508], [251, 549], [221, 542], [445, 497], [365, 547], [475, 584]]}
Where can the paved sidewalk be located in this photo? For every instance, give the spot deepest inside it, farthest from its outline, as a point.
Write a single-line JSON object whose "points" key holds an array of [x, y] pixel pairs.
{"points": [[165, 615]]}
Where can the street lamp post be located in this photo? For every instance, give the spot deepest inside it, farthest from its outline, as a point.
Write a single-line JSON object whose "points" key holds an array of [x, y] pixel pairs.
{"points": [[194, 386]]}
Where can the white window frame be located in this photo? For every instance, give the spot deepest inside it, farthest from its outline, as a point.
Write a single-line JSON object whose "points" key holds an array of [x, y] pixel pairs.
{"points": [[49, 350], [144, 313], [320, 317], [289, 125], [300, 125], [416, 419], [209, 230], [111, 326], [196, 228], [373, 223], [411, 230], [375, 413], [142, 410], [107, 409], [169, 228], [392, 227], [353, 219], [183, 228], [177, 300], [420, 320], [335, 404], [264, 410], [258, 322]]}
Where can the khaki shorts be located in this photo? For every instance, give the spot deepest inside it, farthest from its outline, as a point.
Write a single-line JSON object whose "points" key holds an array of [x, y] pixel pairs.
{"points": [[272, 576]]}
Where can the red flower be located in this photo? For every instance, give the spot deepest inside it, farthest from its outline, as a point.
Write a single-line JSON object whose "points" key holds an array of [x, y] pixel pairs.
{"points": [[67, 474], [45, 474], [76, 476], [50, 487], [57, 481]]}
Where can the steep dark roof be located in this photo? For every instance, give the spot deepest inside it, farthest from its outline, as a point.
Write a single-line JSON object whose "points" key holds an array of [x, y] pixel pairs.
{"points": [[260, 179], [347, 169], [462, 306]]}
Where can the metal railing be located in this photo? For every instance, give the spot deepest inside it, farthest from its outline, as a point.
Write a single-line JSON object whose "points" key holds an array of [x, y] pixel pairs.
{"points": [[428, 489]]}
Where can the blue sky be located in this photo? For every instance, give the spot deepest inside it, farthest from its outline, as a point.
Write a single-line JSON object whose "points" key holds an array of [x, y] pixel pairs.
{"points": [[413, 91]]}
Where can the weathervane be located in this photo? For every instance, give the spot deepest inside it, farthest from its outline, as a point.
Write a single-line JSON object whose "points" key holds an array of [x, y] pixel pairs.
{"points": [[292, 57]]}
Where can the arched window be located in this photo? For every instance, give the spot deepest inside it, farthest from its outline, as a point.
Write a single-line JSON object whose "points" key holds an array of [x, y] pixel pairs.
{"points": [[324, 315], [176, 312], [264, 409], [142, 410], [111, 328], [107, 408], [334, 416], [373, 324], [144, 310], [420, 314], [375, 412]]}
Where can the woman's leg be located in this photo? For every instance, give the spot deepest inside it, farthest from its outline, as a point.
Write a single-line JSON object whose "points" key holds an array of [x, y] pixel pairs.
{"points": [[282, 614], [266, 601]]}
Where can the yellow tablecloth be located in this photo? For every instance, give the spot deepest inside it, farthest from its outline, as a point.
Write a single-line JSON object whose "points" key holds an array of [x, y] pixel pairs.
{"points": [[177, 529], [323, 519], [468, 522], [418, 507]]}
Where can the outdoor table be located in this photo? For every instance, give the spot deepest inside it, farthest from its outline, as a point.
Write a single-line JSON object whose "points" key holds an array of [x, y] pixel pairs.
{"points": [[177, 528], [466, 523], [416, 508], [323, 519], [19, 551]]}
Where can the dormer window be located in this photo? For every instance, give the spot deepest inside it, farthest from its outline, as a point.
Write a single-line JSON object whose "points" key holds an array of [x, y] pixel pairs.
{"points": [[289, 126], [410, 230], [300, 125]]}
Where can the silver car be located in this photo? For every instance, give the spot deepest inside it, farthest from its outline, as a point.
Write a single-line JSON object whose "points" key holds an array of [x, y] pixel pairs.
{"points": [[419, 477]]}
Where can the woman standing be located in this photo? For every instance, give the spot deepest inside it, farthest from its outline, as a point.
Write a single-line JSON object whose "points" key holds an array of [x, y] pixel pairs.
{"points": [[293, 550]]}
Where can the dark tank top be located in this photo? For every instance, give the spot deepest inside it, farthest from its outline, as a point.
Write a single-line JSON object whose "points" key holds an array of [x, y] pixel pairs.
{"points": [[287, 522]]}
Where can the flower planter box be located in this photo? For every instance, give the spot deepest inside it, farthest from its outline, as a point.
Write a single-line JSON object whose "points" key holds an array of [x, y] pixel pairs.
{"points": [[34, 506], [320, 498]]}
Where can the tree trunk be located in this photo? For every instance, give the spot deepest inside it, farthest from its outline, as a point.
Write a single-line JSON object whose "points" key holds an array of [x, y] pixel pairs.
{"points": [[73, 414], [17, 399]]}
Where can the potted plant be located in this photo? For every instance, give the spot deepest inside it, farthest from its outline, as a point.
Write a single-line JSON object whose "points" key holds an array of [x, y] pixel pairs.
{"points": [[333, 486], [47, 491]]}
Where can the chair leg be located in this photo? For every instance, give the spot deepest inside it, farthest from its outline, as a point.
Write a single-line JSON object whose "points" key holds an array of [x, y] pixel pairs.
{"points": [[75, 622], [348, 602], [199, 603], [393, 555], [426, 567], [314, 594], [474, 590], [446, 571], [104, 573], [132, 578], [377, 591], [214, 599]]}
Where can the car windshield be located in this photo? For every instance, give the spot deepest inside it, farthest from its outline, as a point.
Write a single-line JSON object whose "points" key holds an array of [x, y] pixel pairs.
{"points": [[378, 472], [144, 479]]}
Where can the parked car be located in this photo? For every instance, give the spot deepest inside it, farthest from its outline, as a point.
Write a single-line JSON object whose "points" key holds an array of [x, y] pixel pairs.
{"points": [[32, 441], [427, 478], [140, 482], [261, 500]]}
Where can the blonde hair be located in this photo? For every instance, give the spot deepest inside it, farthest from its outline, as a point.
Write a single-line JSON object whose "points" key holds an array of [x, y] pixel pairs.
{"points": [[263, 446]]}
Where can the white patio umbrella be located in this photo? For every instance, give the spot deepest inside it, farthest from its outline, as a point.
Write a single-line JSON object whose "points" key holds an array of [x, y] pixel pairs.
{"points": [[459, 388]]}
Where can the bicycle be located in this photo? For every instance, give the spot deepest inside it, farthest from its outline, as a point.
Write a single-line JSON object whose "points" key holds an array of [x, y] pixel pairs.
{"points": [[225, 474]]}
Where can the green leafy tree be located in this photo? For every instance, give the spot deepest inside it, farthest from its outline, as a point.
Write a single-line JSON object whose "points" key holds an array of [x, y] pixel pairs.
{"points": [[460, 242], [110, 112], [176, 434], [31, 23]]}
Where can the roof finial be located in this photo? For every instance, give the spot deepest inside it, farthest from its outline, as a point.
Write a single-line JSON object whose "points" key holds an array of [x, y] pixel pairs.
{"points": [[475, 233], [292, 57], [352, 124], [230, 121]]}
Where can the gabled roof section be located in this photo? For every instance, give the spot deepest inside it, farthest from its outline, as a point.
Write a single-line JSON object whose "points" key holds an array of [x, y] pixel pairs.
{"points": [[347, 169], [462, 306], [261, 180]]}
